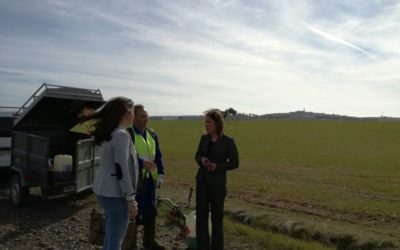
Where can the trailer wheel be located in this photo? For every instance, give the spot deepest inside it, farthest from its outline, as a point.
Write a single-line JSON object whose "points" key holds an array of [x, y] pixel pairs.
{"points": [[18, 195]]}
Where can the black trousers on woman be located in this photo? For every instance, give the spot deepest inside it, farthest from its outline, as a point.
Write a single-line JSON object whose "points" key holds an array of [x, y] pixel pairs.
{"points": [[210, 197]]}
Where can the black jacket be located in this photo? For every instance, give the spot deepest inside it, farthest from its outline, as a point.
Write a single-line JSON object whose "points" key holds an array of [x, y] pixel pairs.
{"points": [[224, 153]]}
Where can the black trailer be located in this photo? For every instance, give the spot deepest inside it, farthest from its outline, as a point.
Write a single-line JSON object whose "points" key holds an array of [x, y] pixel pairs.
{"points": [[7, 118], [41, 131]]}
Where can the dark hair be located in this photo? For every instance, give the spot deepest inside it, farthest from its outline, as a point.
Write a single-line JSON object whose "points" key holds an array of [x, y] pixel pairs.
{"points": [[137, 107], [108, 118], [217, 117]]}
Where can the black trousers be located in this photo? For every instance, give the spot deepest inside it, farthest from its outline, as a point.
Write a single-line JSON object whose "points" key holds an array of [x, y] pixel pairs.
{"points": [[210, 196]]}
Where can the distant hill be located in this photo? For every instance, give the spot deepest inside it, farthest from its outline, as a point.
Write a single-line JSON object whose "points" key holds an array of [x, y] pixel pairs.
{"points": [[295, 115], [304, 115], [176, 117]]}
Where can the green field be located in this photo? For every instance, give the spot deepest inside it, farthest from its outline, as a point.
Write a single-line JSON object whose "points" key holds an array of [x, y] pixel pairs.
{"points": [[332, 177]]}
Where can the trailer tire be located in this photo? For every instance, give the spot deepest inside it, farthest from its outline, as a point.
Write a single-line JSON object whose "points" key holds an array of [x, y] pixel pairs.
{"points": [[19, 195]]}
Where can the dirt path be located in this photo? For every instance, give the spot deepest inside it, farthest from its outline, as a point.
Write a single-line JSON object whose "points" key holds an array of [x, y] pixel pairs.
{"points": [[62, 223], [45, 224]]}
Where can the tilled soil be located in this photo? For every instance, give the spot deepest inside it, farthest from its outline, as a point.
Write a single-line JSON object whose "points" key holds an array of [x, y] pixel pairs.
{"points": [[62, 223], [320, 211]]}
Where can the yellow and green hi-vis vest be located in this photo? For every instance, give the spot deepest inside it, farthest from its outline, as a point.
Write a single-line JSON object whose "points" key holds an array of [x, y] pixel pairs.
{"points": [[146, 150]]}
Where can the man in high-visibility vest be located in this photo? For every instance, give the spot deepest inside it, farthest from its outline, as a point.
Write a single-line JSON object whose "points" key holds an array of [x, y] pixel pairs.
{"points": [[151, 173]]}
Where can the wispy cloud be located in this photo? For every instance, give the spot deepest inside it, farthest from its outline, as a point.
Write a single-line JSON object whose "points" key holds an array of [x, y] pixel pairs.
{"points": [[182, 57], [339, 40]]}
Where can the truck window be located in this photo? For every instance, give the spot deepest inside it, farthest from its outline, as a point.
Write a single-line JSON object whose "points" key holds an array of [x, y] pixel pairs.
{"points": [[6, 124]]}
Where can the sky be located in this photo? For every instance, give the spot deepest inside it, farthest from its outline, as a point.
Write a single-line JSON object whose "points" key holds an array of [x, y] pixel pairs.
{"points": [[183, 57]]}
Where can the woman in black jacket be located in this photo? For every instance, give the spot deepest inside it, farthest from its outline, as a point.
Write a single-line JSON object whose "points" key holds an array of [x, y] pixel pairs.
{"points": [[216, 154]]}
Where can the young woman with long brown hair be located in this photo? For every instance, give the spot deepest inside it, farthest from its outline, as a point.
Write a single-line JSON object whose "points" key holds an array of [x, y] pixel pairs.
{"points": [[116, 179]]}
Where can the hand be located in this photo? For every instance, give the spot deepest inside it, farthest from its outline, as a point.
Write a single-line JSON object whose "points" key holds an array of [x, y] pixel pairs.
{"points": [[149, 165], [211, 166], [133, 212], [204, 161], [160, 181]]}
